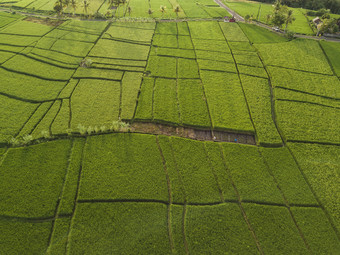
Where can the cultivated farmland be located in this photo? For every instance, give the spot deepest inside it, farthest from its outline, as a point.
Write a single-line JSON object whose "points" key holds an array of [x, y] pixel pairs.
{"points": [[187, 135]]}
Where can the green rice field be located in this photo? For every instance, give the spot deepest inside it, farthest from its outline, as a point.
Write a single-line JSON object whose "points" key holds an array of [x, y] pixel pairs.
{"points": [[190, 136]]}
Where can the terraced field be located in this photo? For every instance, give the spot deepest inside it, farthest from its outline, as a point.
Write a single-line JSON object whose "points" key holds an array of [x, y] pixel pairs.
{"points": [[187, 137]]}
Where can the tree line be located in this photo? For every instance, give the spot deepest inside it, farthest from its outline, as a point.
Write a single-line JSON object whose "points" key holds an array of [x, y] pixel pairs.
{"points": [[332, 5]]}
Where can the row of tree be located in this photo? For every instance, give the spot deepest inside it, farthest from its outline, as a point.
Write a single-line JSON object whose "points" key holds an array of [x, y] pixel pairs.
{"points": [[332, 5], [60, 5], [280, 16]]}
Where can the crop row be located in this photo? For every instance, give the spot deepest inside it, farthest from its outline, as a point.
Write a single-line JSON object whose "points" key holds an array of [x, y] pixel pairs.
{"points": [[203, 73], [199, 172], [314, 123], [192, 166]]}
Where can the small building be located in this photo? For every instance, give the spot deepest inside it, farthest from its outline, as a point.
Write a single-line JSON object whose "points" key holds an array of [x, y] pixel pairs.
{"points": [[232, 19], [317, 21]]}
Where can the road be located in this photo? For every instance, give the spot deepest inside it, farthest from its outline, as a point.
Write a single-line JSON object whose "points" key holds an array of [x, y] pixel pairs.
{"points": [[240, 18], [237, 16]]}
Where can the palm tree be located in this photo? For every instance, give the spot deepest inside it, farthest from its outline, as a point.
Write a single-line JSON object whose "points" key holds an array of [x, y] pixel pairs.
{"points": [[177, 10], [74, 6], [86, 6], [66, 3], [162, 9], [58, 7], [289, 18]]}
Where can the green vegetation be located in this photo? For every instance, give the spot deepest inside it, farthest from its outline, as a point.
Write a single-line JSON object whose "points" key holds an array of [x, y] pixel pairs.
{"points": [[116, 150], [333, 53], [196, 174], [32, 190], [276, 222], [132, 227], [224, 95], [165, 102], [145, 103], [250, 174], [192, 104], [95, 103], [19, 237], [257, 93], [316, 84], [299, 54], [289, 178], [320, 165], [223, 228], [322, 241], [13, 115], [180, 136], [131, 83], [316, 123], [258, 34]]}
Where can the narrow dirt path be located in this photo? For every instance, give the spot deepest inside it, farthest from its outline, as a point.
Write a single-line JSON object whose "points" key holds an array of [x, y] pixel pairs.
{"points": [[237, 16]]}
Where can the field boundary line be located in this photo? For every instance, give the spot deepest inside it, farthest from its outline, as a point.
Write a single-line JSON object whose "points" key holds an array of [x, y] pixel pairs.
{"points": [[76, 197], [141, 84], [225, 201], [28, 119], [202, 84], [328, 60], [213, 172], [126, 40], [82, 155], [308, 93], [169, 194], [271, 90], [50, 126], [272, 97], [70, 102], [49, 108], [305, 102], [56, 212], [240, 80], [32, 75], [33, 219], [285, 200], [3, 156], [180, 177], [120, 96], [177, 95], [11, 23], [300, 70], [315, 195], [239, 202], [313, 142]]}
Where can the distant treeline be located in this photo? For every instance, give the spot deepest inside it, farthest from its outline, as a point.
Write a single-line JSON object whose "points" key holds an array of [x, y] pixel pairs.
{"points": [[333, 5]]}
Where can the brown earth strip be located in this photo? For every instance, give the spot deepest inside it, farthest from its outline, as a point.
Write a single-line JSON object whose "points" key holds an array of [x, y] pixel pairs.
{"points": [[192, 133]]}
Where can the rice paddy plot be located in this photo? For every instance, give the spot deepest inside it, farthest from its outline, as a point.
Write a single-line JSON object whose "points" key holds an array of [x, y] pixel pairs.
{"points": [[28, 87], [95, 103], [75, 178], [320, 165], [30, 187], [300, 54], [13, 115], [317, 123], [142, 179], [315, 84], [224, 94]]}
